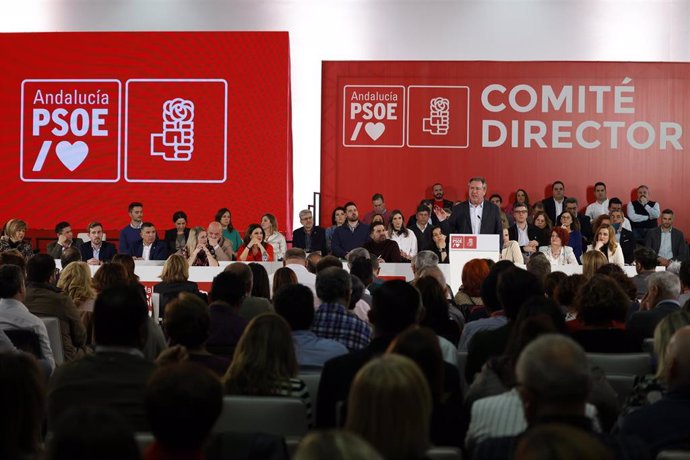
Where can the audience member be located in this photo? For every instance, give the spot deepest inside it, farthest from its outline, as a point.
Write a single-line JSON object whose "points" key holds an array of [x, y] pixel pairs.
{"points": [[663, 289], [584, 221], [555, 204], [187, 323], [607, 245], [264, 362], [296, 260], [468, 299], [511, 250], [269, 224], [421, 227], [645, 265], [44, 299], [183, 402], [335, 445], [148, 247], [551, 282], [283, 277], [525, 234], [422, 260], [227, 295], [390, 406], [667, 241], [75, 281], [386, 250], [132, 232], [127, 261], [311, 238], [378, 209], [396, 306], [198, 252], [295, 303], [643, 214], [544, 224], [562, 442], [115, 376], [13, 257], [540, 266], [22, 398], [625, 237], [68, 256], [406, 239], [65, 240], [567, 221], [352, 234], [558, 252], [591, 262], [601, 202], [251, 306], [254, 247], [92, 432], [174, 279], [338, 218], [332, 319], [436, 316], [15, 231], [223, 249], [176, 238], [224, 217], [439, 245], [684, 275], [99, 250]]}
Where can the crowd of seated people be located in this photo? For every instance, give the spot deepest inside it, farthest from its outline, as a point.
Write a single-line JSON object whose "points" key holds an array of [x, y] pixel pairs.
{"points": [[386, 352]]}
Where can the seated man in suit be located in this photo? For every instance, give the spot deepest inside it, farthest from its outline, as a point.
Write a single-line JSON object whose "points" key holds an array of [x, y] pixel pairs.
{"points": [[525, 234], [624, 236], [65, 240], [99, 250], [668, 242], [554, 205], [663, 289], [309, 237], [149, 247]]}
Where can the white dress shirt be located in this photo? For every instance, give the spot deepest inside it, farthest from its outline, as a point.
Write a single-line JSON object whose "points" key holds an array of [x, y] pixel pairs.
{"points": [[146, 252], [407, 244], [596, 209], [476, 217]]}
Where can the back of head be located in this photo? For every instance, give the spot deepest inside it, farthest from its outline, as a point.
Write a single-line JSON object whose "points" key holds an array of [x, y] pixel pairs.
{"points": [[488, 289], [662, 336], [421, 345], [328, 262], [552, 281], [261, 286], [646, 257], [40, 268], [126, 261], [356, 253], [474, 273], [228, 287], [560, 442], [13, 257], [295, 254], [108, 276], [295, 303], [187, 321], [539, 266], [362, 268], [591, 262], [11, 280], [567, 289], [284, 276], [433, 300], [69, 255], [335, 445], [424, 259], [183, 402], [333, 285], [390, 406], [75, 280], [554, 369], [601, 300], [666, 284], [119, 317], [175, 269], [90, 432], [244, 272], [677, 360], [22, 398], [395, 307], [684, 273], [514, 287]]}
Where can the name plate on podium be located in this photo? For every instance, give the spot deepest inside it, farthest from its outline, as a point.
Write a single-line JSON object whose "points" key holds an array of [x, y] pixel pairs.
{"points": [[464, 248]]}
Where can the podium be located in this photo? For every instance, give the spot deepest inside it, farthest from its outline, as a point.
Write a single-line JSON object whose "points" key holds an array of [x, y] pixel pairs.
{"points": [[463, 248]]}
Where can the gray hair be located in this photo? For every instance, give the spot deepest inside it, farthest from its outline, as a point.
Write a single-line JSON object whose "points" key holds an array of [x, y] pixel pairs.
{"points": [[554, 368], [674, 267], [424, 259], [667, 283], [357, 252], [304, 212], [478, 179]]}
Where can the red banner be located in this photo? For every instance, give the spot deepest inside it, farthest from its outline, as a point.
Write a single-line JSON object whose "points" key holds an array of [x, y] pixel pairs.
{"points": [[191, 121], [399, 127]]}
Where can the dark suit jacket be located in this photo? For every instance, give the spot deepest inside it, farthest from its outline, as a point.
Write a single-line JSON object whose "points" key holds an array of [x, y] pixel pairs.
{"points": [[550, 208], [55, 250], [533, 233], [459, 221], [642, 323], [585, 226], [171, 239], [627, 242], [106, 253], [318, 240], [678, 244], [159, 250]]}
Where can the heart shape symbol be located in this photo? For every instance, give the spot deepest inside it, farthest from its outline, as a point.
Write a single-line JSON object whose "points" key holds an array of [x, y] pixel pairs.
{"points": [[374, 130], [72, 155]]}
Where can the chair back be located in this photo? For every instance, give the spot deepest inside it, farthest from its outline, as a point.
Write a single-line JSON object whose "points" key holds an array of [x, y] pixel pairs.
{"points": [[312, 379], [622, 363], [282, 416], [25, 340], [55, 338]]}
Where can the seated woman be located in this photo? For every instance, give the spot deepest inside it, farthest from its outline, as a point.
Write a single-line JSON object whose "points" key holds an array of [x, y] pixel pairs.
{"points": [[407, 241], [198, 252], [273, 236], [511, 249], [468, 299], [568, 222], [224, 217], [75, 281], [176, 238], [521, 197], [438, 245], [15, 231], [174, 279], [543, 223], [254, 248], [557, 252], [337, 219], [605, 242], [264, 362]]}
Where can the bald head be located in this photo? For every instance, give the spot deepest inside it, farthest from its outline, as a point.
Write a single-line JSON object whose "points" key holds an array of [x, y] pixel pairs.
{"points": [[215, 226], [678, 359], [244, 272]]}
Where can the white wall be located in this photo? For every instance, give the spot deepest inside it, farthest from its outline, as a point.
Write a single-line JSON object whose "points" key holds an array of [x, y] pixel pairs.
{"points": [[590, 30]]}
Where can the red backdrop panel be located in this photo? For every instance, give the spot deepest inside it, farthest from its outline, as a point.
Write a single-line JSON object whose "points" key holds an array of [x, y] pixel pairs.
{"points": [[190, 121], [399, 127]]}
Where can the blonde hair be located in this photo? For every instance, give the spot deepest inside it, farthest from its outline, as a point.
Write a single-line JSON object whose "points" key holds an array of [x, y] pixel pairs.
{"points": [[192, 240], [13, 226], [264, 358], [335, 445], [175, 269], [591, 261], [662, 336], [612, 244], [75, 280], [390, 406]]}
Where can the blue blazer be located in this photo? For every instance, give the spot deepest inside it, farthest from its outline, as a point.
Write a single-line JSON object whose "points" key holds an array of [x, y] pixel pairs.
{"points": [[159, 250], [106, 253]]}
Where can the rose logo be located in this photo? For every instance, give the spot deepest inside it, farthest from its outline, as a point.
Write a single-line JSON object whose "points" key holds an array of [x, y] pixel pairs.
{"points": [[178, 110]]}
